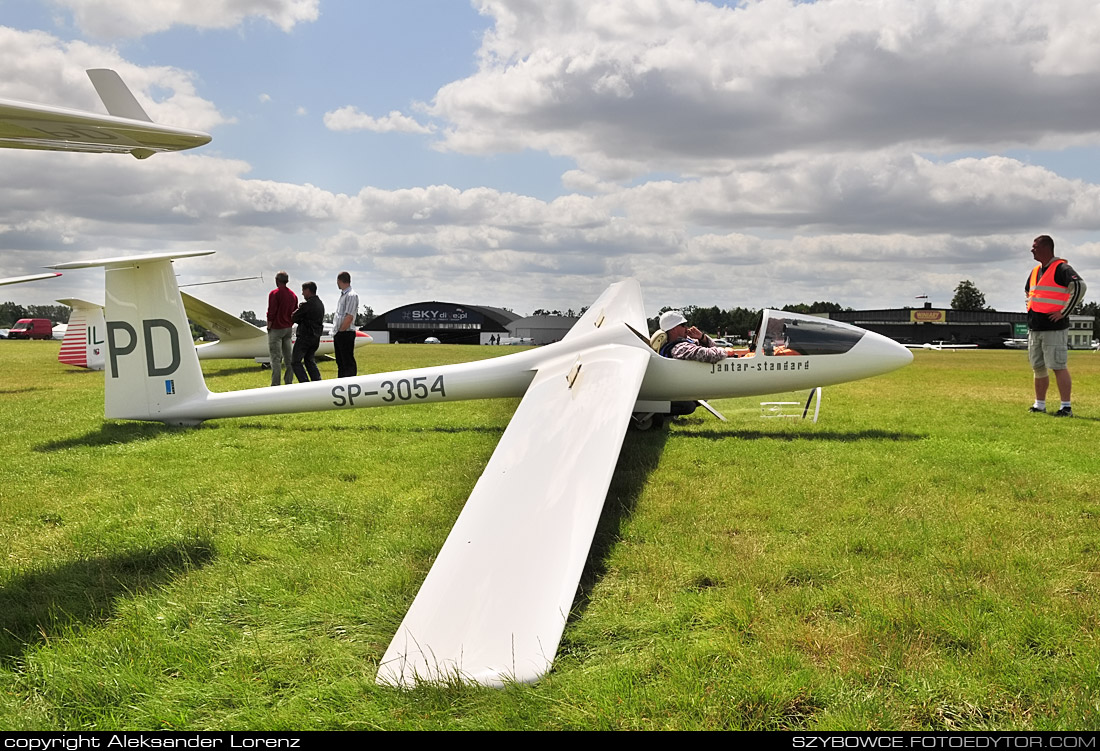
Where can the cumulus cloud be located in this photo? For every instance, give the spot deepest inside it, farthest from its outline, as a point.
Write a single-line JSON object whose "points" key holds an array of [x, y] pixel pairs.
{"points": [[761, 154], [626, 87], [114, 19], [350, 118]]}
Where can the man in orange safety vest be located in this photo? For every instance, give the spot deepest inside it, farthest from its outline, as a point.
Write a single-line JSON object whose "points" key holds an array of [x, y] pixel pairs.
{"points": [[1053, 290]]}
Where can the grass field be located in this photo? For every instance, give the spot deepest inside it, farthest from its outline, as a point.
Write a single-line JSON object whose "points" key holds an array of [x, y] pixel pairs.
{"points": [[927, 556]]}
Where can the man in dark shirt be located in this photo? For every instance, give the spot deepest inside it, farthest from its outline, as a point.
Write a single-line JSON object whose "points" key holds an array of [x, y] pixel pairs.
{"points": [[310, 317], [281, 303], [1053, 290]]}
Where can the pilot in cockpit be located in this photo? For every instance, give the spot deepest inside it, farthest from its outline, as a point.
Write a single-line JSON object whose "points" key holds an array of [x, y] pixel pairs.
{"points": [[684, 342]]}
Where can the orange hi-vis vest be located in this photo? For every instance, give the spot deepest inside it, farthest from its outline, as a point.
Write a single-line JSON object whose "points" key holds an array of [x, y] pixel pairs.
{"points": [[1045, 295]]}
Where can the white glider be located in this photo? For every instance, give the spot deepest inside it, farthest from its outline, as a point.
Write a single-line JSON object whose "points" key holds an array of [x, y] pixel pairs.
{"points": [[83, 344], [939, 346], [494, 605], [127, 129]]}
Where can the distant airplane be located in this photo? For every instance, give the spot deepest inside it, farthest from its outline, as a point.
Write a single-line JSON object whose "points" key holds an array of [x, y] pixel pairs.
{"points": [[30, 278], [1016, 343], [494, 605], [941, 346], [83, 341], [127, 129]]}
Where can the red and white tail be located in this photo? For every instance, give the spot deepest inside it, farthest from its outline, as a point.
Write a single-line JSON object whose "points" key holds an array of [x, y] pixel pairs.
{"points": [[85, 339]]}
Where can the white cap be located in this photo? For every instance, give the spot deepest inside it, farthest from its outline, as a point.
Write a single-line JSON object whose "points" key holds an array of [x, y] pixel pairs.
{"points": [[670, 319]]}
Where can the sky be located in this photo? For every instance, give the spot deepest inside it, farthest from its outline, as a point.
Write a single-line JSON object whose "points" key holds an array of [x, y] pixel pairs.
{"points": [[525, 154]]}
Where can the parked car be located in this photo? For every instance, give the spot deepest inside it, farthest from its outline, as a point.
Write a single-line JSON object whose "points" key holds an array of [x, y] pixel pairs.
{"points": [[32, 328]]}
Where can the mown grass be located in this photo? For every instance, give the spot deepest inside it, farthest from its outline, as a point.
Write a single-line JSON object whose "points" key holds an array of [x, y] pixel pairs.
{"points": [[926, 557]]}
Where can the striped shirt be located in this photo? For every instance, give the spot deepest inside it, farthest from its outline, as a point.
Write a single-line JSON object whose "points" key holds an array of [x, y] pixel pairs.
{"points": [[347, 306]]}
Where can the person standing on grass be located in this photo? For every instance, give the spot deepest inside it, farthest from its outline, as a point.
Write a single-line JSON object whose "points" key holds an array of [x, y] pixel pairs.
{"points": [[1053, 290], [281, 304], [343, 327], [310, 317]]}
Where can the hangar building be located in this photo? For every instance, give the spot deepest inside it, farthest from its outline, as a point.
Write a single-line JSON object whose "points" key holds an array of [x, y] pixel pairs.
{"points": [[986, 328], [448, 322], [541, 329]]}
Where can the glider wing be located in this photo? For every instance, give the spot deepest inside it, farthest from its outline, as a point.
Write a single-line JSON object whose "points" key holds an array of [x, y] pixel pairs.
{"points": [[31, 278], [227, 326], [494, 605], [24, 125]]}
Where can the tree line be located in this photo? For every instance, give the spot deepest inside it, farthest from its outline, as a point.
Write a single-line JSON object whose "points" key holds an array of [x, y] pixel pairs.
{"points": [[10, 313]]}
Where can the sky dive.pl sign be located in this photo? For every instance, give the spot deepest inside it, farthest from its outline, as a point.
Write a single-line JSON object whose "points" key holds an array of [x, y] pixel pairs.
{"points": [[433, 314]]}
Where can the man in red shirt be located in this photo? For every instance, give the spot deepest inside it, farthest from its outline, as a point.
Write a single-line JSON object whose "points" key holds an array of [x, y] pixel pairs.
{"points": [[281, 304]]}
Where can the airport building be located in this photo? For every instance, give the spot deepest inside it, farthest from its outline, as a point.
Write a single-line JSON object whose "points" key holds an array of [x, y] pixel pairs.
{"points": [[541, 329], [448, 322], [986, 328]]}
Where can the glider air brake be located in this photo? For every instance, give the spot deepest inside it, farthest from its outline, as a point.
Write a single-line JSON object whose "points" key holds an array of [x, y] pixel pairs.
{"points": [[126, 130], [494, 605]]}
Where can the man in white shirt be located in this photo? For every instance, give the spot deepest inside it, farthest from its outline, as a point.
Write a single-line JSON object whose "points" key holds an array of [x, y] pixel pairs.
{"points": [[343, 327]]}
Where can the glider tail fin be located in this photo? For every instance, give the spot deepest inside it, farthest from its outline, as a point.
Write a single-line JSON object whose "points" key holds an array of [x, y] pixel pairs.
{"points": [[152, 370], [84, 344]]}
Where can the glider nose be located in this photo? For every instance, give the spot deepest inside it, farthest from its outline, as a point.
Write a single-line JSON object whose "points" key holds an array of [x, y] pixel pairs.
{"points": [[885, 352]]}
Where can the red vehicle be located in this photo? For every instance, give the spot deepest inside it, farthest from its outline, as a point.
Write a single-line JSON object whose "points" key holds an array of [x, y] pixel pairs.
{"points": [[32, 328]]}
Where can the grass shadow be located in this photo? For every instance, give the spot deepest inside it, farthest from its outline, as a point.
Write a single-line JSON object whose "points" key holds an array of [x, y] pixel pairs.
{"points": [[371, 428], [109, 434], [38, 606], [640, 456], [5, 392], [254, 369], [759, 435]]}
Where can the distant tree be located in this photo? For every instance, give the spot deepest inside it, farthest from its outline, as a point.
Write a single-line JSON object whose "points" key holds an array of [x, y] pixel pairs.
{"points": [[968, 297], [817, 307], [365, 317], [56, 313], [735, 322], [250, 317], [10, 313]]}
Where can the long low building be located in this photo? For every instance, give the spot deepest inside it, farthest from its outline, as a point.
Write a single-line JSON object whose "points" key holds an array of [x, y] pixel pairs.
{"points": [[448, 322], [986, 328]]}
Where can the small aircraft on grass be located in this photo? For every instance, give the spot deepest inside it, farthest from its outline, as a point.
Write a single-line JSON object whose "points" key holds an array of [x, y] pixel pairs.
{"points": [[939, 346], [127, 129], [238, 339], [494, 605]]}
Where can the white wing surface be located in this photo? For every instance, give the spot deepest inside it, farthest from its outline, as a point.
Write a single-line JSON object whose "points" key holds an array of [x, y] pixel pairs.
{"points": [[30, 278], [621, 301], [494, 605], [226, 325], [25, 125]]}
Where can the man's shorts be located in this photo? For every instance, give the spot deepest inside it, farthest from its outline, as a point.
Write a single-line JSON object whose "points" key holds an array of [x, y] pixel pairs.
{"points": [[1048, 349]]}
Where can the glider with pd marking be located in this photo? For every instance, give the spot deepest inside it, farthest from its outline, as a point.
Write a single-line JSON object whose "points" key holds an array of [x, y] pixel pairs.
{"points": [[493, 607]]}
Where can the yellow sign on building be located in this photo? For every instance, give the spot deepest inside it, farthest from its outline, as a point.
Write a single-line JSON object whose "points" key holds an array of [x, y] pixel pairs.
{"points": [[925, 315]]}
